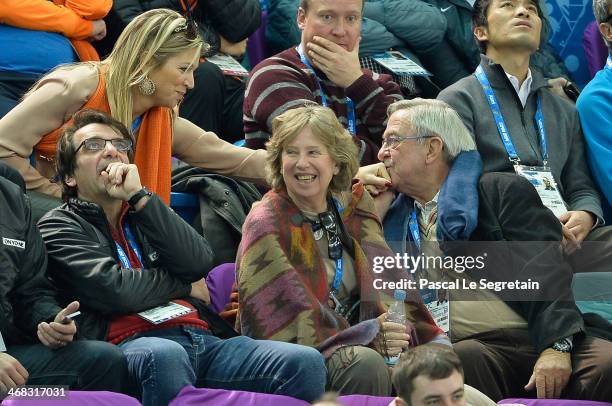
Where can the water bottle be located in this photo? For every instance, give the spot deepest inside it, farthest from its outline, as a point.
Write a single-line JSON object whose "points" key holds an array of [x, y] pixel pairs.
{"points": [[396, 314]]}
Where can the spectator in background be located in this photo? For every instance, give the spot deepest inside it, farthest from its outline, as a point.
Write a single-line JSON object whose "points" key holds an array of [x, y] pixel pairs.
{"points": [[595, 109], [323, 69], [215, 102], [29, 309], [539, 128], [38, 35], [445, 45]]}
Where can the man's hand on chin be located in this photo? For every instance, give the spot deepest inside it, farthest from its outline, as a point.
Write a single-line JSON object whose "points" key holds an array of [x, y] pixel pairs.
{"points": [[339, 65], [550, 374], [122, 180]]}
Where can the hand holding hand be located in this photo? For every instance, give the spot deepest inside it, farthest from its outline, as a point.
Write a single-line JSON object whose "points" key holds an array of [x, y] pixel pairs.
{"points": [[57, 334], [12, 373], [375, 178], [550, 374], [122, 180], [339, 65], [392, 338]]}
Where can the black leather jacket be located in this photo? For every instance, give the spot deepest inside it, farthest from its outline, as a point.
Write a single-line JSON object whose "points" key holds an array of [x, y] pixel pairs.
{"points": [[83, 261], [26, 295]]}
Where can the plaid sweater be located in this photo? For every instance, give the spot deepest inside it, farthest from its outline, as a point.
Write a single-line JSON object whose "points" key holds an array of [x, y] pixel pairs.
{"points": [[283, 82], [283, 285]]}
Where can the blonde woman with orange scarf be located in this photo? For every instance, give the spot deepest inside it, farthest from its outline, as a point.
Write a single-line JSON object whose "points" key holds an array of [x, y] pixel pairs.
{"points": [[140, 84]]}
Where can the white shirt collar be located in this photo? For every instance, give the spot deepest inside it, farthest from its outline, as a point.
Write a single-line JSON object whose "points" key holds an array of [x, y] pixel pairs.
{"points": [[426, 209], [523, 91]]}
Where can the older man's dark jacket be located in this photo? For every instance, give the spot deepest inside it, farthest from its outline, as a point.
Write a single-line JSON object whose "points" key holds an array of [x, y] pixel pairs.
{"points": [[26, 295], [83, 261]]}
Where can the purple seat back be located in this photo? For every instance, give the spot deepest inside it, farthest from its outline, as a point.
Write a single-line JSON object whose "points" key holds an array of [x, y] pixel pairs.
{"points": [[552, 402], [220, 281], [364, 400], [190, 396], [79, 398], [594, 48], [256, 45]]}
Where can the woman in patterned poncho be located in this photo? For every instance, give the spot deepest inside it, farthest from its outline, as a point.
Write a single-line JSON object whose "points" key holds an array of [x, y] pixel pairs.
{"points": [[306, 254]]}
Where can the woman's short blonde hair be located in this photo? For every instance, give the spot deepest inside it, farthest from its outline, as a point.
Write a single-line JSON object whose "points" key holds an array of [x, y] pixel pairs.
{"points": [[325, 126]]}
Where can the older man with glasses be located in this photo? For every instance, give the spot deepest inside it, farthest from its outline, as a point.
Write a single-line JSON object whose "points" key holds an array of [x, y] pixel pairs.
{"points": [[444, 208], [595, 109]]}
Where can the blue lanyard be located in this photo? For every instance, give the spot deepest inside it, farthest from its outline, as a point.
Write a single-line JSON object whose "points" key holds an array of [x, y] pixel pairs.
{"points": [[501, 124], [337, 276], [350, 106], [413, 225], [136, 124], [125, 261]]}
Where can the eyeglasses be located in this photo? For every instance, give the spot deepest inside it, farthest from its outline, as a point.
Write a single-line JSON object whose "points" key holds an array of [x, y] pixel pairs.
{"points": [[393, 141], [98, 144], [190, 27]]}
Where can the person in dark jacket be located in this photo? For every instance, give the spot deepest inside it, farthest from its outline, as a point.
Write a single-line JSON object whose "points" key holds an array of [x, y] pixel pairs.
{"points": [[512, 343], [29, 309], [137, 269], [215, 103]]}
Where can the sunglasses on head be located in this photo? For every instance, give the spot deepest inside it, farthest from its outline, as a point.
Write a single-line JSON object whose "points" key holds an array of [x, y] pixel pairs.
{"points": [[190, 27]]}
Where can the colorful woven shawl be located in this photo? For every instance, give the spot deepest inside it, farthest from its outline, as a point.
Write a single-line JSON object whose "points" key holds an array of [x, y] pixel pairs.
{"points": [[282, 281]]}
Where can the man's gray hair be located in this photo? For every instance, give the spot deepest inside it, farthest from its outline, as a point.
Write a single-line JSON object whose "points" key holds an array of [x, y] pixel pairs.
{"points": [[600, 9], [427, 117]]}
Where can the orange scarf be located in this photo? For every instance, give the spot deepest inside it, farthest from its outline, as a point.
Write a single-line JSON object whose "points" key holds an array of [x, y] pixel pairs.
{"points": [[153, 155]]}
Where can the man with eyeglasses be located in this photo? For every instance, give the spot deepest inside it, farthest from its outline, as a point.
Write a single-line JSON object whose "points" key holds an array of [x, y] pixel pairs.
{"points": [[520, 126], [136, 267], [511, 343], [595, 109], [324, 69]]}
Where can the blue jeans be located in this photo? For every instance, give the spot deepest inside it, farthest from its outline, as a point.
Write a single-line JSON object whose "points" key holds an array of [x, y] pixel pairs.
{"points": [[164, 361]]}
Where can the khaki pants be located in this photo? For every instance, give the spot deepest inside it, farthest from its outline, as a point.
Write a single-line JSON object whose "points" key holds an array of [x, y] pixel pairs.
{"points": [[358, 370]]}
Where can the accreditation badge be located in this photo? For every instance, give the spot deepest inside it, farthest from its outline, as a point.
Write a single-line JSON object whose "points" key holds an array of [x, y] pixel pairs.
{"points": [[165, 312], [438, 304], [542, 179]]}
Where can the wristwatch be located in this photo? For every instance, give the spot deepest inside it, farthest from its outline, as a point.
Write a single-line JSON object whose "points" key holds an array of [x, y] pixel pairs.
{"points": [[562, 345], [139, 195]]}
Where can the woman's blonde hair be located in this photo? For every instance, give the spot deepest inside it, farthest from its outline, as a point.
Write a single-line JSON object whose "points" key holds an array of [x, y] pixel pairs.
{"points": [[324, 125], [144, 45]]}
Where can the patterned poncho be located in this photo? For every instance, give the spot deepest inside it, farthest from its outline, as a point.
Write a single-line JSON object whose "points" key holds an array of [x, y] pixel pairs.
{"points": [[283, 285]]}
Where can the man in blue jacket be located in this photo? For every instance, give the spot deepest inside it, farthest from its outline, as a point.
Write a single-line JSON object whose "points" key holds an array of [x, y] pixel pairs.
{"points": [[595, 109]]}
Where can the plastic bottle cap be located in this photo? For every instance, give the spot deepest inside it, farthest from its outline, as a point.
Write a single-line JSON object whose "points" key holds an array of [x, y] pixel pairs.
{"points": [[400, 295]]}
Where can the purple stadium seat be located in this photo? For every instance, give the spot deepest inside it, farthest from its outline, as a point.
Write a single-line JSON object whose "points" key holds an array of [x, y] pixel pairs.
{"points": [[594, 48], [552, 402], [364, 400], [256, 45], [220, 281], [79, 398], [191, 396]]}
